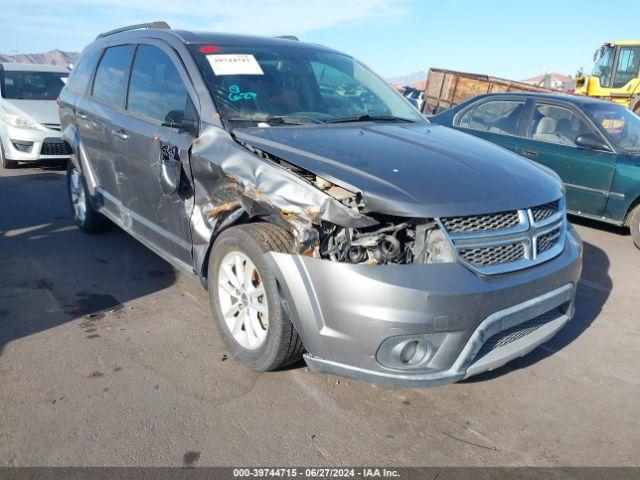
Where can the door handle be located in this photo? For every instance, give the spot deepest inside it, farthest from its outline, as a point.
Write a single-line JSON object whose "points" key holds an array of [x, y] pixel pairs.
{"points": [[119, 133], [81, 114], [530, 153]]}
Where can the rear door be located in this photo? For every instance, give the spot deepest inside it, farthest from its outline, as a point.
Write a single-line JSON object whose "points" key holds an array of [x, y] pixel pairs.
{"points": [[98, 116], [496, 120], [551, 130], [158, 190]]}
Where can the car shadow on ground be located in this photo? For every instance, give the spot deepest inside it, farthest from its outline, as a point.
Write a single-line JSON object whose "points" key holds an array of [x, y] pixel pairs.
{"points": [[590, 299], [50, 272]]}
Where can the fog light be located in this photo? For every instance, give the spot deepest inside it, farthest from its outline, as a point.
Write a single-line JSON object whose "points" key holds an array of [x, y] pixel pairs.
{"points": [[407, 351], [413, 351]]}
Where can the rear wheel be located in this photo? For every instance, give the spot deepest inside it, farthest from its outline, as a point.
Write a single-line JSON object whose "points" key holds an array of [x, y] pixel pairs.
{"points": [[245, 300], [87, 219], [634, 225], [6, 163]]}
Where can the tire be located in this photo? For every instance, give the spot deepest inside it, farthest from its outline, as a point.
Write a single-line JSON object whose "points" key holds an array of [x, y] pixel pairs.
{"points": [[634, 225], [276, 343], [87, 219], [6, 163]]}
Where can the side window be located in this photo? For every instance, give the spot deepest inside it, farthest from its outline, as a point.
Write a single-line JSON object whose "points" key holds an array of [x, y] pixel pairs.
{"points": [[80, 75], [156, 89], [111, 77], [627, 66], [497, 116], [555, 124]]}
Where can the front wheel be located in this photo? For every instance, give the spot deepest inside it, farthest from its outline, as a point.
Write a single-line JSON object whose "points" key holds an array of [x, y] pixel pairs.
{"points": [[245, 300], [634, 225], [6, 163], [87, 219]]}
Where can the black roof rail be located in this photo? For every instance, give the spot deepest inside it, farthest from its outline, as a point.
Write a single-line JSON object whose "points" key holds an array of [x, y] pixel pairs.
{"points": [[289, 37], [159, 24]]}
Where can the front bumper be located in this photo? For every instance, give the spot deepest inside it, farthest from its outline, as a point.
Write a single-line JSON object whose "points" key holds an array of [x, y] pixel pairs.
{"points": [[347, 314], [35, 139]]}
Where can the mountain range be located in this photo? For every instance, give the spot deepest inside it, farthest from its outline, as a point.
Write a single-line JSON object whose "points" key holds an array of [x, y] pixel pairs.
{"points": [[54, 57]]}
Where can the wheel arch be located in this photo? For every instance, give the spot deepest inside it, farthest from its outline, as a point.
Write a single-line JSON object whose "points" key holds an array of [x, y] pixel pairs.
{"points": [[243, 219], [632, 206], [71, 138]]}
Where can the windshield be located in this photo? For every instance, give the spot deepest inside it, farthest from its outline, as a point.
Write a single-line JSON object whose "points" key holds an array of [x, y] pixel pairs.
{"points": [[296, 85], [621, 125], [20, 85], [604, 65]]}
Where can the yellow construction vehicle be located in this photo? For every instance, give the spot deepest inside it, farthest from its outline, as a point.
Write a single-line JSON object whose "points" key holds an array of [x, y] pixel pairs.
{"points": [[615, 75]]}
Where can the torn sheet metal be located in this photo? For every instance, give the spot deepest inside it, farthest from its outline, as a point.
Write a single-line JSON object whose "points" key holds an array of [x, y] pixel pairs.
{"points": [[244, 185]]}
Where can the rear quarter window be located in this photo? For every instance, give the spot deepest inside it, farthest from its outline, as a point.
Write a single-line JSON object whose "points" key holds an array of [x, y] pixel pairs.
{"points": [[111, 77], [80, 76], [497, 116]]}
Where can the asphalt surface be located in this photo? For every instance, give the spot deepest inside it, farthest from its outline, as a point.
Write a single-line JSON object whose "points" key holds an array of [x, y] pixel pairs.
{"points": [[110, 357]]}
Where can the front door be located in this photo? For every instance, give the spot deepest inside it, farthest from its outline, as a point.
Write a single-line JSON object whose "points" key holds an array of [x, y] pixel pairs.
{"points": [[586, 173], [159, 191]]}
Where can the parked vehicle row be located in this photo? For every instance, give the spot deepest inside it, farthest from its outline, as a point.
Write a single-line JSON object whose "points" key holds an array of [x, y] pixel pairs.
{"points": [[29, 122]]}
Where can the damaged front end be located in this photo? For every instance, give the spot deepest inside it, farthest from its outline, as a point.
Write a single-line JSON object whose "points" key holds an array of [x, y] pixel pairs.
{"points": [[327, 220], [382, 241], [391, 241]]}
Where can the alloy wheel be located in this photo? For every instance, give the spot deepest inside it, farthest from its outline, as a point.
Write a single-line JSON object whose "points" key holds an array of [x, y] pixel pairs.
{"points": [[243, 301], [78, 197]]}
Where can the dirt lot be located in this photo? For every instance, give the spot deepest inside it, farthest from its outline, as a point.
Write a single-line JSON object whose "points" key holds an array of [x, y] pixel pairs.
{"points": [[109, 357]]}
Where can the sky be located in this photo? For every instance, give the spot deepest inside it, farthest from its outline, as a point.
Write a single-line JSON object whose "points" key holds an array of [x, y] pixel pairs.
{"points": [[511, 39]]}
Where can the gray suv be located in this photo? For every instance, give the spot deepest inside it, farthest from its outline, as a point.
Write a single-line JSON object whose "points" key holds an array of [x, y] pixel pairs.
{"points": [[324, 215]]}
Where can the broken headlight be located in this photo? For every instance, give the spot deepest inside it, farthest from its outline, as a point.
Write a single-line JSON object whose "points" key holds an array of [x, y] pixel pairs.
{"points": [[393, 241]]}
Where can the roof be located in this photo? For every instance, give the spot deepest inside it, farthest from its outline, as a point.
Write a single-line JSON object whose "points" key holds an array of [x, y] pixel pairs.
{"points": [[32, 67], [214, 38], [237, 39], [565, 97]]}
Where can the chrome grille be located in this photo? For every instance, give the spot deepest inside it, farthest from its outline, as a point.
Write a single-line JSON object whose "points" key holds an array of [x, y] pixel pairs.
{"points": [[52, 126], [507, 241], [483, 256], [542, 212], [505, 337], [548, 240], [481, 223]]}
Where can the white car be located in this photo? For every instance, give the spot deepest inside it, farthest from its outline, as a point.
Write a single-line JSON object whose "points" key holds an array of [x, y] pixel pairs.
{"points": [[29, 122]]}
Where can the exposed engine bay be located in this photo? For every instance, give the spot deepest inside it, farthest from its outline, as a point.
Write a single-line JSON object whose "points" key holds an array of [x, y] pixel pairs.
{"points": [[395, 240]]}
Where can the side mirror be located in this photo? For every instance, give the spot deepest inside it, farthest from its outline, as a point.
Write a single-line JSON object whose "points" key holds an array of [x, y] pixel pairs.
{"points": [[186, 125], [592, 142]]}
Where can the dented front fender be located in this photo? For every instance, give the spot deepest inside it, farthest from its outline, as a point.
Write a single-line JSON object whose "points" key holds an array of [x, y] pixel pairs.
{"points": [[232, 183]]}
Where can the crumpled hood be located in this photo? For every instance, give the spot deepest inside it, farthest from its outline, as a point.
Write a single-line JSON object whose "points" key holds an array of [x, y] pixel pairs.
{"points": [[38, 111], [422, 170]]}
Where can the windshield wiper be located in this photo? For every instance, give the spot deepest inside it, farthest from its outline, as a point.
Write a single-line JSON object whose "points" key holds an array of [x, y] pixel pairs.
{"points": [[276, 119], [367, 117]]}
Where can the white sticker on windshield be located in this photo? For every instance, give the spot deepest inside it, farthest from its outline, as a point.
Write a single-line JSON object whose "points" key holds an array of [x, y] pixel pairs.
{"points": [[234, 65]]}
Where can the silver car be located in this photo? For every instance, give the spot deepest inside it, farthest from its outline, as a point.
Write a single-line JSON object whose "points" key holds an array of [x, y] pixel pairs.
{"points": [[324, 214], [29, 122]]}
